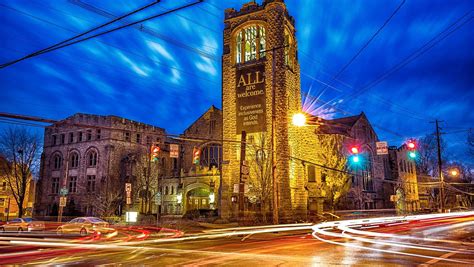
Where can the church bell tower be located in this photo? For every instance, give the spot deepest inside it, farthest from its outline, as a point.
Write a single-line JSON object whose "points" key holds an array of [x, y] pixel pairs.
{"points": [[260, 93]]}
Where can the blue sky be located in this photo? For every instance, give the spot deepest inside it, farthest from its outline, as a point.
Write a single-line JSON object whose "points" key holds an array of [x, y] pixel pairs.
{"points": [[168, 72]]}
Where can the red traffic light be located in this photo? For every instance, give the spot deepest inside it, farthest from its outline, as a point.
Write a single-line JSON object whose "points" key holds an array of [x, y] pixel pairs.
{"points": [[354, 150], [411, 144]]}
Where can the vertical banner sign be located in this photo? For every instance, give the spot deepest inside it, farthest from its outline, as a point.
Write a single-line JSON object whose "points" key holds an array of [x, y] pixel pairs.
{"points": [[250, 95], [174, 151]]}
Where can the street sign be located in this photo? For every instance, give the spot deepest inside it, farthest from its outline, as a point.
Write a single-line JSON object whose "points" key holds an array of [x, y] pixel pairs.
{"points": [[245, 169], [382, 148], [174, 151], [128, 200], [64, 191], [62, 201], [236, 188], [128, 187]]}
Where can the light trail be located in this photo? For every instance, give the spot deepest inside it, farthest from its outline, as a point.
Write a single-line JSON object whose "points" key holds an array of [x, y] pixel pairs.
{"points": [[345, 229]]}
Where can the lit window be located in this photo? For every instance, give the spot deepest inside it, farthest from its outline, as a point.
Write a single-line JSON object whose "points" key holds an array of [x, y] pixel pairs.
{"points": [[211, 156], [311, 173], [250, 43], [289, 49]]}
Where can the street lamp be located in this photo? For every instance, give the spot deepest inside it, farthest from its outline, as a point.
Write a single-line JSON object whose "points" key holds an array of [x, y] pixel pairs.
{"points": [[454, 172], [302, 119], [299, 119]]}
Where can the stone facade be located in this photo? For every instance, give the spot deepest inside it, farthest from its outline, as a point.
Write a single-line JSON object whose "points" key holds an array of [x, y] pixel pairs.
{"points": [[197, 183], [92, 157], [370, 186], [406, 189]]}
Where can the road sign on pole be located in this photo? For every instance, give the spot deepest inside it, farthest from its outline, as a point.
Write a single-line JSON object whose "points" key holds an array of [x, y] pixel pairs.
{"points": [[62, 201], [382, 148], [64, 191], [174, 151]]}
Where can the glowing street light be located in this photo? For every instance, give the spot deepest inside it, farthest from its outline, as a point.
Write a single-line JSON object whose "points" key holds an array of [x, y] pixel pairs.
{"points": [[454, 172], [299, 119]]}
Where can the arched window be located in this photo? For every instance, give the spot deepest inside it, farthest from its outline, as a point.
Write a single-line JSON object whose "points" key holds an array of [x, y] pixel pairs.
{"points": [[57, 161], [92, 159], [74, 160], [211, 156], [250, 43], [166, 190]]}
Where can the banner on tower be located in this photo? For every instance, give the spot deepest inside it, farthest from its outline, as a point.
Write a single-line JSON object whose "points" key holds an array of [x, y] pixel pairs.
{"points": [[250, 95]]}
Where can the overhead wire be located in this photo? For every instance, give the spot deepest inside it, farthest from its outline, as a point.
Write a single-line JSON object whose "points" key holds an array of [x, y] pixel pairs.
{"points": [[115, 46], [45, 50], [110, 30]]}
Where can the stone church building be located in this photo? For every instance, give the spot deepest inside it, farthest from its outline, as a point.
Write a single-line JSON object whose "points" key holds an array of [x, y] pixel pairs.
{"points": [[282, 170]]}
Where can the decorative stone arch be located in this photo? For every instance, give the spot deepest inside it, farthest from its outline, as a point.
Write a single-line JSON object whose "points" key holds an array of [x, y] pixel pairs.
{"points": [[53, 159], [88, 151], [189, 188], [239, 28], [70, 154]]}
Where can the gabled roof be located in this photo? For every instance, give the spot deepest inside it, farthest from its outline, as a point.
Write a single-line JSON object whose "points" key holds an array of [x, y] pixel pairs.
{"points": [[210, 109], [341, 126]]}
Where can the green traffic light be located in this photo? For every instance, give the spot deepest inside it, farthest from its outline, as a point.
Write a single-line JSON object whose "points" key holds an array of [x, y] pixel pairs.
{"points": [[355, 159], [412, 155]]}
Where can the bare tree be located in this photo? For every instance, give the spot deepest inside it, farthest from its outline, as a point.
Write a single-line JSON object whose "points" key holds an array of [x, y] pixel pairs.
{"points": [[147, 175], [261, 170], [337, 182], [21, 151], [470, 142]]}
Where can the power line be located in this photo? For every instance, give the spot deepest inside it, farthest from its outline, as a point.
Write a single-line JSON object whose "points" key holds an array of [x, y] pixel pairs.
{"points": [[368, 41], [111, 45], [416, 54], [45, 50], [114, 29], [149, 31]]}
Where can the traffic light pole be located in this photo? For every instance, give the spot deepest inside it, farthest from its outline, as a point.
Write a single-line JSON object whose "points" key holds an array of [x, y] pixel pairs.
{"points": [[440, 167], [242, 180]]}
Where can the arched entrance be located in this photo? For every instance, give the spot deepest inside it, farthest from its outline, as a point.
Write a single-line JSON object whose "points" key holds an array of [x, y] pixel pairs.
{"points": [[197, 198]]}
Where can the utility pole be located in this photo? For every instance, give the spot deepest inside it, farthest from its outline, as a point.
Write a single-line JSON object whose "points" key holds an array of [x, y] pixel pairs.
{"points": [[440, 165]]}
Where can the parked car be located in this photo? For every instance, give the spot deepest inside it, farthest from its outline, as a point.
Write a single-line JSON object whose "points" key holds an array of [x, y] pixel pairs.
{"points": [[84, 226], [22, 224]]}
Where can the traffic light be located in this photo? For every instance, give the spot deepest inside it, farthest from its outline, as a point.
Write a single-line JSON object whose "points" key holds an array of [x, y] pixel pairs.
{"points": [[354, 158], [155, 150], [412, 146], [196, 155]]}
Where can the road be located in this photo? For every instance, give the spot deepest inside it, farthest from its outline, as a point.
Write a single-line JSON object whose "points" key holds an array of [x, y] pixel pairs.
{"points": [[444, 240]]}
